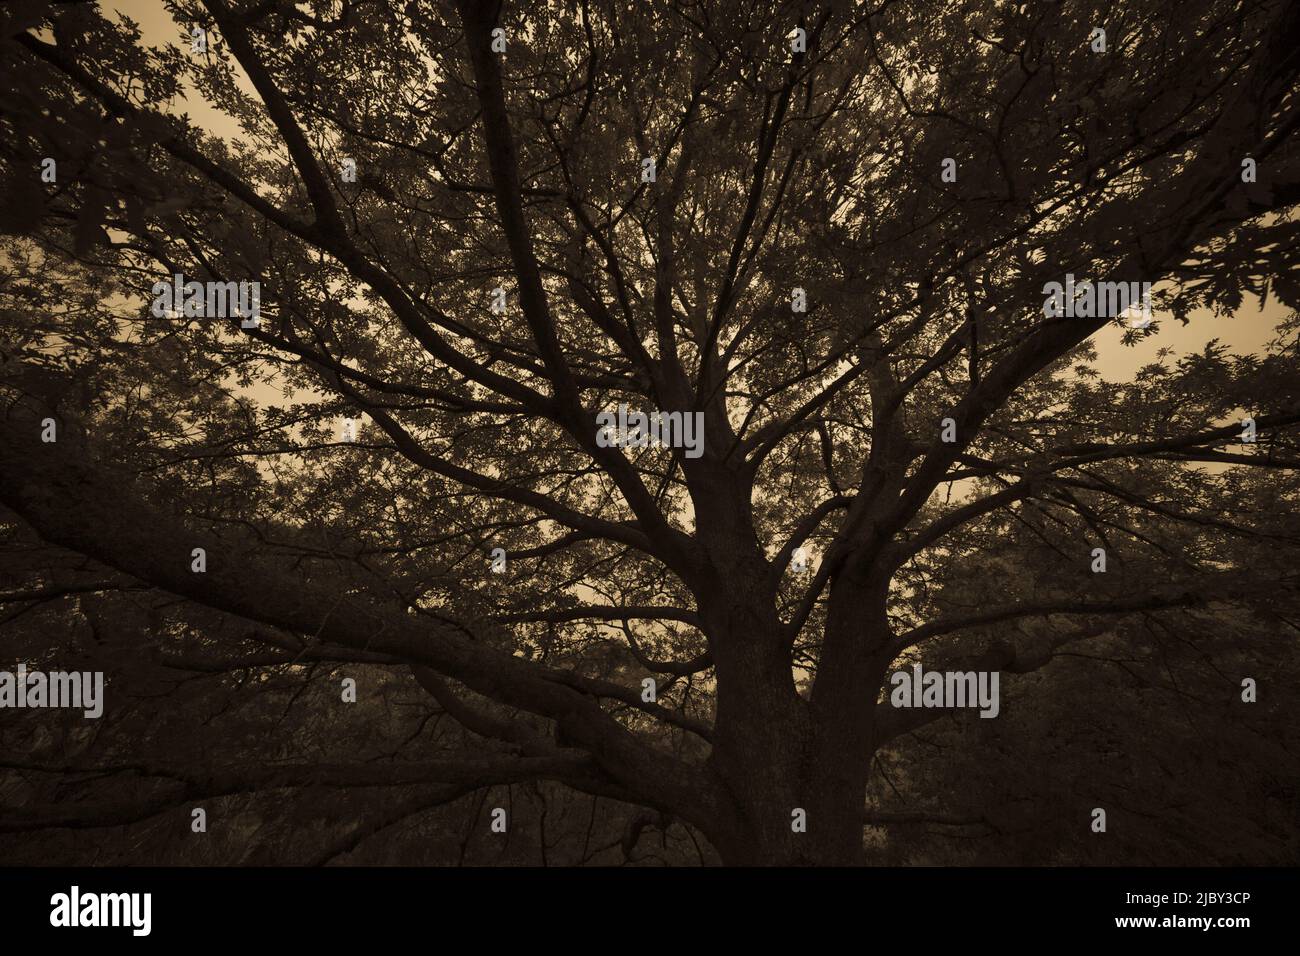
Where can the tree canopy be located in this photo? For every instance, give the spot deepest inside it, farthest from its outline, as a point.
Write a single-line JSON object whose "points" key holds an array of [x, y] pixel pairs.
{"points": [[826, 232]]}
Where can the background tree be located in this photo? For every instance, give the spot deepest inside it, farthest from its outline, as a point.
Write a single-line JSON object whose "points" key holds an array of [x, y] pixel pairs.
{"points": [[793, 147]]}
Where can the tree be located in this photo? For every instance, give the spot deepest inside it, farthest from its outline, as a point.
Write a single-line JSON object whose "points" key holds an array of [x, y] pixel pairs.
{"points": [[826, 233]]}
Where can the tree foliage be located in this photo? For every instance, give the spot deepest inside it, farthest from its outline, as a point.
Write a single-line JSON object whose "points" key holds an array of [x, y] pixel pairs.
{"points": [[779, 168]]}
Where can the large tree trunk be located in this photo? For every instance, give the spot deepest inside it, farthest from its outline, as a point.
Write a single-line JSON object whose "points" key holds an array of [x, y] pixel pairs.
{"points": [[772, 763], [791, 772], [772, 757]]}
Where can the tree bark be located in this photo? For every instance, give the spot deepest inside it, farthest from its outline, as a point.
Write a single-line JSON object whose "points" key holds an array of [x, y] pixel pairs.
{"points": [[793, 779]]}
